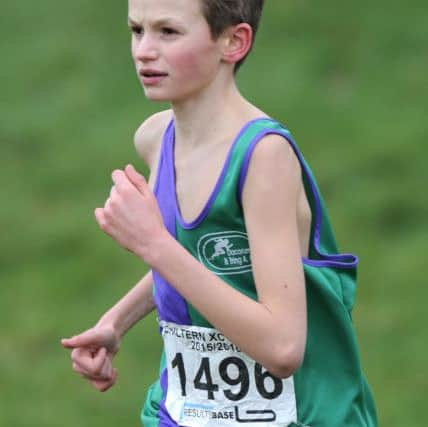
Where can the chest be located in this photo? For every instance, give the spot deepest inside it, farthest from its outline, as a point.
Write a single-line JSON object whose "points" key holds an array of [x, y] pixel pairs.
{"points": [[197, 172]]}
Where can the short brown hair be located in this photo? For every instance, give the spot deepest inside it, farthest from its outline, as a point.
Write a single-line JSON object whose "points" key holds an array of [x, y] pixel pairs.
{"points": [[221, 14]]}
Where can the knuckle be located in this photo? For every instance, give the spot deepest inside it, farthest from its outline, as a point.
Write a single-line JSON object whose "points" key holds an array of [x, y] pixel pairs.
{"points": [[107, 220], [116, 173], [127, 191], [103, 221], [108, 209], [114, 202]]}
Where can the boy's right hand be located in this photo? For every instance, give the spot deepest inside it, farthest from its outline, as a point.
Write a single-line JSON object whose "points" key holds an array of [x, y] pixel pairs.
{"points": [[92, 355]]}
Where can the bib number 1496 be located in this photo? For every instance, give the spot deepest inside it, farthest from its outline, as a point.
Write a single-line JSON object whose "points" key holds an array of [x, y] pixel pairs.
{"points": [[234, 372]]}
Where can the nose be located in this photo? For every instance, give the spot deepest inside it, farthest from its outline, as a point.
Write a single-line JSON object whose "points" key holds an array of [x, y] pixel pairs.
{"points": [[145, 48]]}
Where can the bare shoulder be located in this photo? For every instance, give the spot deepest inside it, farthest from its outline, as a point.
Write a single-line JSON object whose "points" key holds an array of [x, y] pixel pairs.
{"points": [[274, 158], [148, 137], [274, 196]]}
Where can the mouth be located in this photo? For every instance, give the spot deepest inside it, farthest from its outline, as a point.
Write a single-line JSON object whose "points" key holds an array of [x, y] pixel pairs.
{"points": [[151, 73], [150, 77]]}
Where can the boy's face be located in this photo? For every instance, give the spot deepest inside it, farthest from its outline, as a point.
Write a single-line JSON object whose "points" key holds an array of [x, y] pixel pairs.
{"points": [[172, 48]]}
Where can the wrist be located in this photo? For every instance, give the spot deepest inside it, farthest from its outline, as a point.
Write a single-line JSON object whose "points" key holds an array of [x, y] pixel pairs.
{"points": [[152, 253], [111, 322]]}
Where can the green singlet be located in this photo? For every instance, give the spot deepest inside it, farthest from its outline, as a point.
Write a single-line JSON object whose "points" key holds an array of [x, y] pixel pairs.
{"points": [[205, 380]]}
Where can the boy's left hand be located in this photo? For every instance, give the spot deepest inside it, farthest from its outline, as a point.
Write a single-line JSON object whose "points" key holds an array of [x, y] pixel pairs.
{"points": [[131, 215]]}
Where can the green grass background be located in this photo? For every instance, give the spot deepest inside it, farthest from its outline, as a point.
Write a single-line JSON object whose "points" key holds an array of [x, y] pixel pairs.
{"points": [[348, 78]]}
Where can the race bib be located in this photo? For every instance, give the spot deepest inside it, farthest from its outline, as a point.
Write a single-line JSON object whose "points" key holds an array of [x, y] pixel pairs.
{"points": [[212, 383]]}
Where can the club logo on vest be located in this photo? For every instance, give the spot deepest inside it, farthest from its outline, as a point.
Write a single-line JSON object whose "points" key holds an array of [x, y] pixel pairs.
{"points": [[225, 252]]}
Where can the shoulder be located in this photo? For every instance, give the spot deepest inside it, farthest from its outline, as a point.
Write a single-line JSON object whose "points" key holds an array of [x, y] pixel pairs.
{"points": [[148, 136], [273, 163]]}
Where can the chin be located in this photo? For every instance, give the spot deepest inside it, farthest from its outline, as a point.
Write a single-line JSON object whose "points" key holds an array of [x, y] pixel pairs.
{"points": [[159, 95], [153, 96]]}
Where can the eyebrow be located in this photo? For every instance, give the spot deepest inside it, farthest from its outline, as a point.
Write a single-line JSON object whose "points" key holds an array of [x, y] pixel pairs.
{"points": [[158, 23], [131, 22]]}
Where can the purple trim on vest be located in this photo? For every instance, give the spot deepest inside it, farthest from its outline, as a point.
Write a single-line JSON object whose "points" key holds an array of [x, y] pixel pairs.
{"points": [[169, 303], [196, 222], [336, 260], [165, 419]]}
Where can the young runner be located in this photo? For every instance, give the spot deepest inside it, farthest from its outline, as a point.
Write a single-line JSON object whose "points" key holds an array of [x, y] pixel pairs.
{"points": [[253, 298]]}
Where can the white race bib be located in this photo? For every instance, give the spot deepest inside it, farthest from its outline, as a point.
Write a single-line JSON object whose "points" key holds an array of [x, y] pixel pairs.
{"points": [[212, 383]]}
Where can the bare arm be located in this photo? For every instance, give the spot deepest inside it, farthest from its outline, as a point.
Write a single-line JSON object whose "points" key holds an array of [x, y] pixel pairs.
{"points": [[272, 330], [134, 306], [94, 349]]}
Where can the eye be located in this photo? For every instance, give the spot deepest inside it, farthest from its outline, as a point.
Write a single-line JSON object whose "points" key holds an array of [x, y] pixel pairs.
{"points": [[136, 29], [168, 31]]}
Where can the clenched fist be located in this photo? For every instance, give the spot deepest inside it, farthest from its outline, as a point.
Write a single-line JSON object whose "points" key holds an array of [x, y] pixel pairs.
{"points": [[131, 215]]}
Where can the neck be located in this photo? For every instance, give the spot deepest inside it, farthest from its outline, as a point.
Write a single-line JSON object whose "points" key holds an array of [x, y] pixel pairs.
{"points": [[212, 112]]}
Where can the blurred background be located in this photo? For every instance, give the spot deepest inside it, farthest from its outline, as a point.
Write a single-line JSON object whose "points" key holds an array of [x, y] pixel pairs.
{"points": [[348, 78]]}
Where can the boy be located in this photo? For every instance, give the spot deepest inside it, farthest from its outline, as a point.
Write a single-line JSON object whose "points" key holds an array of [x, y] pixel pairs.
{"points": [[253, 299]]}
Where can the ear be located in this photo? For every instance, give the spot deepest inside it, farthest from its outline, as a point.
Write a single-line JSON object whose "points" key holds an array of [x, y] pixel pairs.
{"points": [[238, 40]]}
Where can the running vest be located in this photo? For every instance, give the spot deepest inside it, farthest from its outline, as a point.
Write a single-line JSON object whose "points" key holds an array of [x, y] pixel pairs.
{"points": [[204, 379]]}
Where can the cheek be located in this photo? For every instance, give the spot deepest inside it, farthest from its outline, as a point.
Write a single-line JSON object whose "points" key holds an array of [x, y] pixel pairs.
{"points": [[198, 59]]}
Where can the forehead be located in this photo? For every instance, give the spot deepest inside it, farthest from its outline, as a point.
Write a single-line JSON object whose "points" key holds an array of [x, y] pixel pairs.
{"points": [[186, 11]]}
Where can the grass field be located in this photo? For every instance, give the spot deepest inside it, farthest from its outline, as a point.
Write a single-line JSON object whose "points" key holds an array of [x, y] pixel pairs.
{"points": [[350, 81]]}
